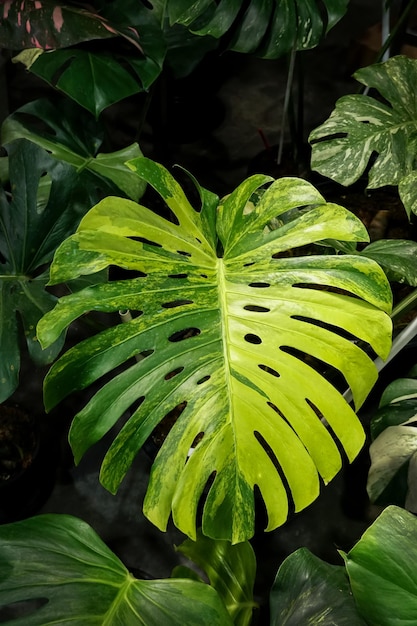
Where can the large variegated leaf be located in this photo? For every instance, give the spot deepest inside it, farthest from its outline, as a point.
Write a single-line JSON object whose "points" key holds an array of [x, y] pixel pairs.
{"points": [[56, 570], [234, 336], [361, 126], [268, 29]]}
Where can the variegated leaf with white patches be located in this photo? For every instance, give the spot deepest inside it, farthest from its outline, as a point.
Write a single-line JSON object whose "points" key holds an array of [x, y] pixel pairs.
{"points": [[361, 126]]}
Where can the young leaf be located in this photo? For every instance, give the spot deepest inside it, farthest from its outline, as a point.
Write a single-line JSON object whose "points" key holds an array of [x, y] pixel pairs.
{"points": [[361, 126], [309, 591], [238, 348], [231, 571], [57, 570], [382, 572]]}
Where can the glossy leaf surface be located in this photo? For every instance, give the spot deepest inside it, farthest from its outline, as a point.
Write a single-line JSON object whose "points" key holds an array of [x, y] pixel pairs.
{"points": [[74, 137], [37, 211], [394, 446], [231, 571], [267, 29], [362, 125], [51, 25], [238, 348], [398, 258], [309, 591], [61, 571], [96, 78], [382, 571]]}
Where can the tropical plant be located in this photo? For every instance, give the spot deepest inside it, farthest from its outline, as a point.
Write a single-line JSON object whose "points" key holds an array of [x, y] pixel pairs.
{"points": [[57, 568], [40, 205], [234, 336], [377, 586], [392, 475], [361, 126]]}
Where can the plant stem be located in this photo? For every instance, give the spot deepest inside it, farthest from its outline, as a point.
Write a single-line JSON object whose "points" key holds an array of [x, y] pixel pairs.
{"points": [[288, 89]]}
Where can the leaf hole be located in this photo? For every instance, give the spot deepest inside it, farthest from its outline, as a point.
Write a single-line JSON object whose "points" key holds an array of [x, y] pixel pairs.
{"points": [[183, 253], [176, 303], [197, 439], [251, 338], [256, 308], [203, 380], [203, 275], [335, 438], [259, 285], [327, 371], [187, 333], [162, 430], [269, 370], [249, 264], [170, 375], [341, 332], [271, 455], [145, 241], [178, 276], [328, 288]]}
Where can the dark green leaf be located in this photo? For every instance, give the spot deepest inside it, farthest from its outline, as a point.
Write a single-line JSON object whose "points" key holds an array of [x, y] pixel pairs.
{"points": [[309, 591], [61, 571], [73, 136], [382, 570], [267, 28], [30, 231]]}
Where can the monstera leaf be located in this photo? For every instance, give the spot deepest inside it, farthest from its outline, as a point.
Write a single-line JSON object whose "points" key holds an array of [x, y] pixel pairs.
{"points": [[55, 569], [382, 572], [50, 25], [74, 137], [268, 29], [361, 126], [96, 79], [37, 211], [235, 340], [392, 475], [309, 591]]}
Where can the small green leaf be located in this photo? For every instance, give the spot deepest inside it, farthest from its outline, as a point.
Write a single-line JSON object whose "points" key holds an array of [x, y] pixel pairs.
{"points": [[61, 571], [231, 571], [382, 572]]}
